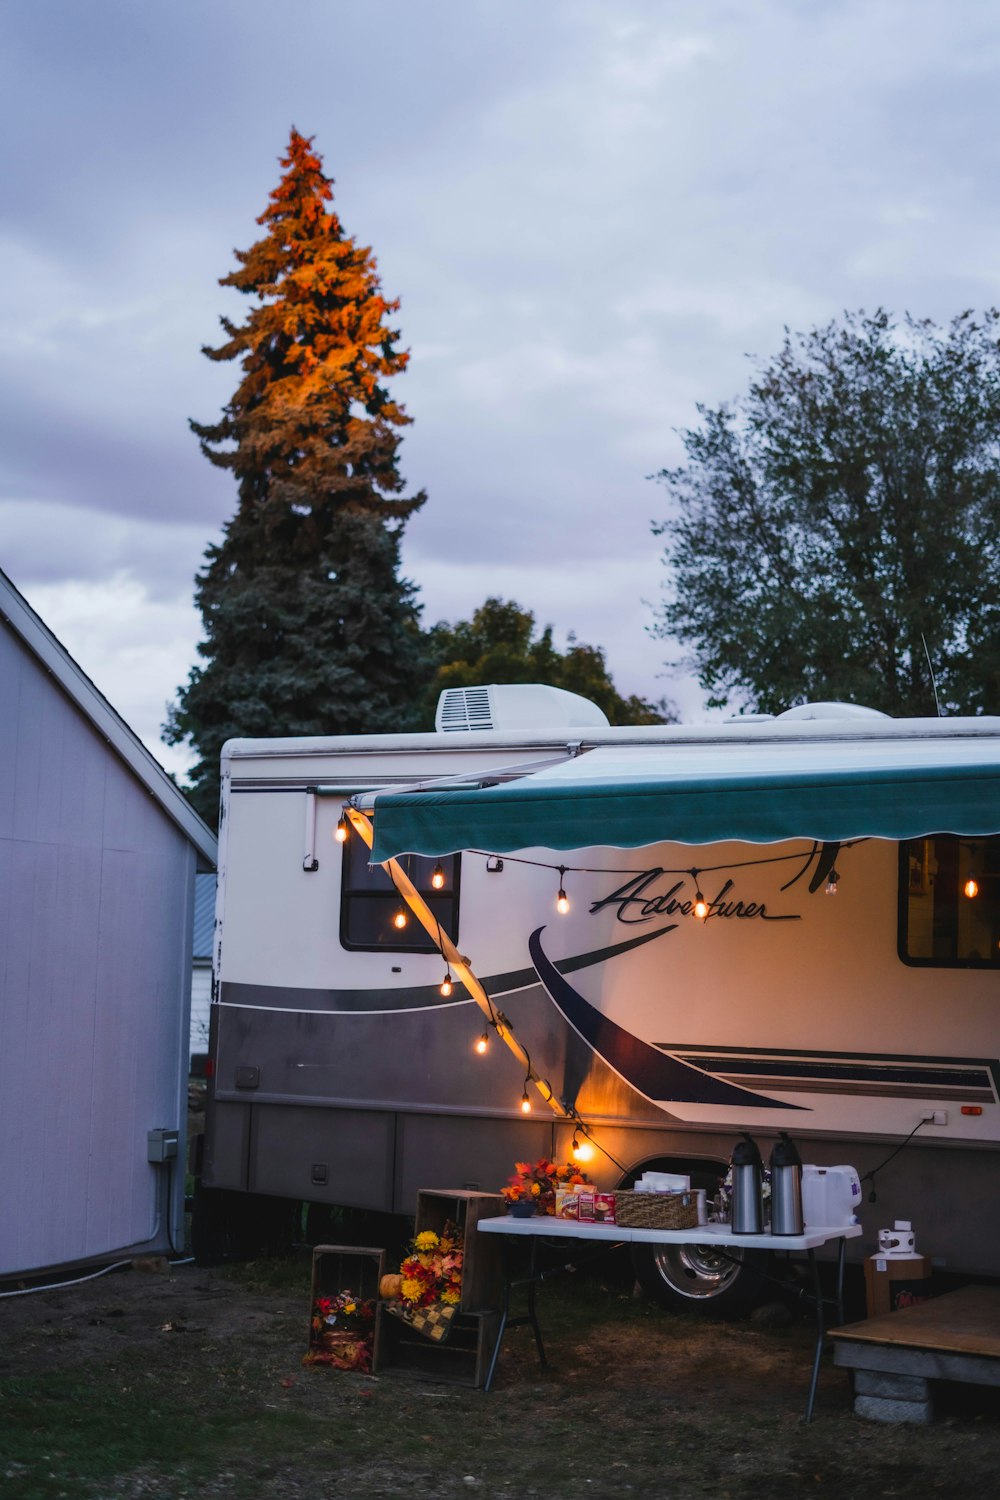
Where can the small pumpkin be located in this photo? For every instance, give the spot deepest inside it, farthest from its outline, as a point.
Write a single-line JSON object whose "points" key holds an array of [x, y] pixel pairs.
{"points": [[390, 1285]]}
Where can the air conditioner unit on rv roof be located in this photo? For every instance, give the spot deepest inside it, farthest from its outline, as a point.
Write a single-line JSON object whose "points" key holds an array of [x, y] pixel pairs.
{"points": [[513, 706]]}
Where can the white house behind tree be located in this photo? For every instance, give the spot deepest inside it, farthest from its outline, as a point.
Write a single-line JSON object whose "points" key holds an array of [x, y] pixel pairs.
{"points": [[98, 856]]}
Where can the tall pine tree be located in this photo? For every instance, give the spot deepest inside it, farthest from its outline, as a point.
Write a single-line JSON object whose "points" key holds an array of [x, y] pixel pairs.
{"points": [[308, 627]]}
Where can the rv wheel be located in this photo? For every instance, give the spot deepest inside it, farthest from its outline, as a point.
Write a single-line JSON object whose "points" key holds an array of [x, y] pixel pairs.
{"points": [[712, 1281]]}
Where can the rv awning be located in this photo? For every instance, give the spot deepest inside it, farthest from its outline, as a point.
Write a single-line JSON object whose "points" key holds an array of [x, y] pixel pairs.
{"points": [[631, 795]]}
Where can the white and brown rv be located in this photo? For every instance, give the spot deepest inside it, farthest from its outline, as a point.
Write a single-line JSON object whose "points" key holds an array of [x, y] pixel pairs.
{"points": [[787, 923]]}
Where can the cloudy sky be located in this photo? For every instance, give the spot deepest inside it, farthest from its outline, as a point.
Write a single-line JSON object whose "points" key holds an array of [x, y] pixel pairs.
{"points": [[593, 213]]}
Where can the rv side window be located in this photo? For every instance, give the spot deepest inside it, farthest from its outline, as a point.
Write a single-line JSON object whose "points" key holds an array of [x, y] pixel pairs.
{"points": [[369, 902], [949, 901]]}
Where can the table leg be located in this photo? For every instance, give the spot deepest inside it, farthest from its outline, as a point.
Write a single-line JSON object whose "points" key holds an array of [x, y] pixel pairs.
{"points": [[841, 1249], [504, 1311], [530, 1317], [820, 1331]]}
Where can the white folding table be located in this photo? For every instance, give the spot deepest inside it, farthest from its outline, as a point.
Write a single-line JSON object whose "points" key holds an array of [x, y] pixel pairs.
{"points": [[545, 1227]]}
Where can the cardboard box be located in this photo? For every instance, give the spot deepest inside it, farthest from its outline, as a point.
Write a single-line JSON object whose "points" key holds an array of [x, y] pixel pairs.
{"points": [[892, 1282], [567, 1203], [604, 1208]]}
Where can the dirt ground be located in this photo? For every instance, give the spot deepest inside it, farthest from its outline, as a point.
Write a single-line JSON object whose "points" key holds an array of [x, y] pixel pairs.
{"points": [[634, 1402]]}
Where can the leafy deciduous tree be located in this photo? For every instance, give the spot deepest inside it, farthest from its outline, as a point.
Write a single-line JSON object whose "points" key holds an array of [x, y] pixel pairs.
{"points": [[842, 514], [499, 644], [308, 627]]}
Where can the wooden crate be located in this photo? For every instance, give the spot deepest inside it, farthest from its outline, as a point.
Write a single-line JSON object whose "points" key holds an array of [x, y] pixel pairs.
{"points": [[340, 1268], [482, 1272], [462, 1359]]}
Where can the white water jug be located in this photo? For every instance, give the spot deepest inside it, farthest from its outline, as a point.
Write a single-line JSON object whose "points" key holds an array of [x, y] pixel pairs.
{"points": [[830, 1196]]}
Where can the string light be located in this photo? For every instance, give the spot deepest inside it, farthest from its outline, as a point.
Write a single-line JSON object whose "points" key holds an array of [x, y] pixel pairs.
{"points": [[446, 984], [483, 1043], [495, 862], [525, 1101], [971, 888], [832, 881], [399, 920], [562, 900], [700, 909], [581, 1150], [340, 832], [437, 878]]}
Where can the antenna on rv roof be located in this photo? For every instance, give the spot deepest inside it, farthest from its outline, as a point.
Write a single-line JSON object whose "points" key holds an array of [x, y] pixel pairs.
{"points": [[930, 668]]}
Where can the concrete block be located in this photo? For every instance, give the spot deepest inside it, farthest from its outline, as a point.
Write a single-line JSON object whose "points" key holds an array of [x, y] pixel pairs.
{"points": [[884, 1409], [897, 1387]]}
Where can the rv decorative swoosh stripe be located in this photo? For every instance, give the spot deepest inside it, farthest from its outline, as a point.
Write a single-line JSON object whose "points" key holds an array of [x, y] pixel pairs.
{"points": [[503, 984], [659, 1078], [412, 997], [970, 1080]]}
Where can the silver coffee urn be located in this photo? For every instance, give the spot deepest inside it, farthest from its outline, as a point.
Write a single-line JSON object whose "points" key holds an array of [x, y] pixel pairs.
{"points": [[747, 1216], [786, 1187]]}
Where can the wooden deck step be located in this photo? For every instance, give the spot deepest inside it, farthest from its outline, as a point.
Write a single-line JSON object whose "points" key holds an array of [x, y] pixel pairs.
{"points": [[895, 1357]]}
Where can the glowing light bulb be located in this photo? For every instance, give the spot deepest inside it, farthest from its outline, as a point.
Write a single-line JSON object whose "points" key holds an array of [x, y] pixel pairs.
{"points": [[700, 906], [437, 878], [446, 986], [562, 900], [340, 832], [971, 888], [832, 880], [483, 1043], [582, 1150], [399, 920], [525, 1103]]}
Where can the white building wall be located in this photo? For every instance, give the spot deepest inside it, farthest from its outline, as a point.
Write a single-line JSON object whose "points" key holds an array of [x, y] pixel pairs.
{"points": [[96, 892]]}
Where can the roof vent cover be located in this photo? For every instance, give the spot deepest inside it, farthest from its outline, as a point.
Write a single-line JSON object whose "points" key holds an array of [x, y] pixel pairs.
{"points": [[464, 708], [832, 711], [513, 707]]}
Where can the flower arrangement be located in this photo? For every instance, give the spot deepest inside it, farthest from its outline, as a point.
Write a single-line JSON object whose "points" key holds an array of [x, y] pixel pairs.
{"points": [[327, 1311], [341, 1332], [537, 1184], [432, 1271]]}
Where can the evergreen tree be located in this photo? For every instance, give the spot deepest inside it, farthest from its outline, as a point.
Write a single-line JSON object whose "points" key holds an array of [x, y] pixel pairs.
{"points": [[499, 645], [308, 627]]}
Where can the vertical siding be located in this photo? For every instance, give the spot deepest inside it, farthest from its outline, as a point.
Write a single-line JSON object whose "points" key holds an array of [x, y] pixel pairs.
{"points": [[201, 1000], [96, 887]]}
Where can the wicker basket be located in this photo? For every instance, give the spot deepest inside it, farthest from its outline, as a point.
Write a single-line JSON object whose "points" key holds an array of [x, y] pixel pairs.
{"points": [[656, 1210]]}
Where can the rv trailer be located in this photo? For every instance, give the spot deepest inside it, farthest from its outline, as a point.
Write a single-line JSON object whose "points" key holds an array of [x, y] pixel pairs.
{"points": [[680, 932]]}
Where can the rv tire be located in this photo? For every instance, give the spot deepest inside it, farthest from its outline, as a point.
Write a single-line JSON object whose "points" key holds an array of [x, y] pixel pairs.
{"points": [[709, 1280]]}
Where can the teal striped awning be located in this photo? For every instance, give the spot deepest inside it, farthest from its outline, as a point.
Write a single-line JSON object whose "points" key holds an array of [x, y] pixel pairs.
{"points": [[627, 796]]}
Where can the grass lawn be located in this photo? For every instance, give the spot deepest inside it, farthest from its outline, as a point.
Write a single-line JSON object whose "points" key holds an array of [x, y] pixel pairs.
{"points": [[191, 1384]]}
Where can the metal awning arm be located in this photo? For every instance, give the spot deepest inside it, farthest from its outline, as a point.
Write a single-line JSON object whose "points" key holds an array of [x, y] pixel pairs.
{"points": [[458, 964]]}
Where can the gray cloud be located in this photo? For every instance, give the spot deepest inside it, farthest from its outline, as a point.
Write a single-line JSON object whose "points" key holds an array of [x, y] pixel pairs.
{"points": [[592, 215]]}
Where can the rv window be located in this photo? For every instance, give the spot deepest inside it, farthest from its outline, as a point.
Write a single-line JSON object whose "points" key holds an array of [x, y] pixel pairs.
{"points": [[369, 902], [949, 902]]}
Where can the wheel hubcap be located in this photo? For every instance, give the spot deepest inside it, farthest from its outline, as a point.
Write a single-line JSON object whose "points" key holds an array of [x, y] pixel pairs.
{"points": [[698, 1271]]}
